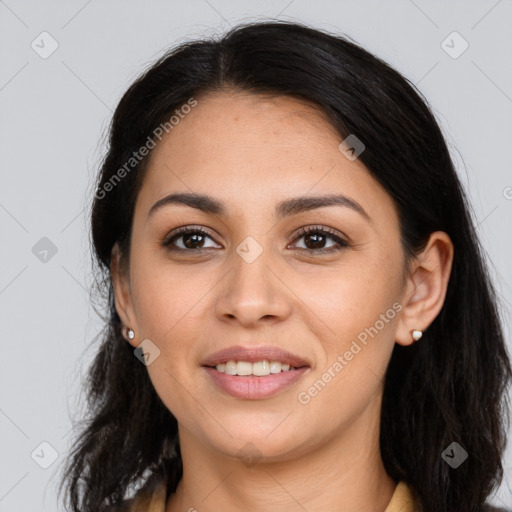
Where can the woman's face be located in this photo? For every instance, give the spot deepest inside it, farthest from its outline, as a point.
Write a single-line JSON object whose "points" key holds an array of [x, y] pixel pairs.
{"points": [[254, 281]]}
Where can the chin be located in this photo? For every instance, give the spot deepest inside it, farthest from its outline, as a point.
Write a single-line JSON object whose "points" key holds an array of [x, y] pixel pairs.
{"points": [[252, 438]]}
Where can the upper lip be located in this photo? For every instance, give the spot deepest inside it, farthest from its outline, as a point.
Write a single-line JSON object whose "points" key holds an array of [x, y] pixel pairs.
{"points": [[254, 354]]}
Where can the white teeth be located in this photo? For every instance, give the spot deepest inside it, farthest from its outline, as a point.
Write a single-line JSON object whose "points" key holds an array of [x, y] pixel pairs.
{"points": [[230, 368], [275, 367], [243, 368], [260, 368]]}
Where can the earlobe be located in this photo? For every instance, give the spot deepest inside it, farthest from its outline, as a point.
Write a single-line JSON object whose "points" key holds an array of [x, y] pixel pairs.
{"points": [[426, 288]]}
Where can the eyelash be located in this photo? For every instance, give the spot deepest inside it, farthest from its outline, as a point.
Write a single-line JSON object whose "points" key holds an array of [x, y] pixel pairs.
{"points": [[188, 230]]}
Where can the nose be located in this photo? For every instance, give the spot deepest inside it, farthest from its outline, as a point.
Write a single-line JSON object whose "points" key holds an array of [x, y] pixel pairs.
{"points": [[253, 292]]}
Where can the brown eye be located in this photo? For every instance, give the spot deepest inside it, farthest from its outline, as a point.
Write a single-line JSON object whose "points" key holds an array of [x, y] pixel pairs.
{"points": [[315, 239], [189, 240]]}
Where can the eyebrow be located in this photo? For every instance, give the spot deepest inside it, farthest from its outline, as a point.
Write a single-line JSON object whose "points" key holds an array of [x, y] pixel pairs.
{"points": [[285, 208]]}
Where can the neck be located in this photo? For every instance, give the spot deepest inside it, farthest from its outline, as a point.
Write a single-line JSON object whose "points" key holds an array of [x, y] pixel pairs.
{"points": [[342, 473]]}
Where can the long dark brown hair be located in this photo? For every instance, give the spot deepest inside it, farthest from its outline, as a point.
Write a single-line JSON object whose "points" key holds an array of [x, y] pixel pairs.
{"points": [[450, 387]]}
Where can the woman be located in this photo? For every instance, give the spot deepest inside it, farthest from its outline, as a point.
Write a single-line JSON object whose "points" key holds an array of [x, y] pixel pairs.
{"points": [[299, 311]]}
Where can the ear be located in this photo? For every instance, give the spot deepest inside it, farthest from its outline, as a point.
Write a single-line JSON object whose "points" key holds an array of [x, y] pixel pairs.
{"points": [[426, 286], [122, 294]]}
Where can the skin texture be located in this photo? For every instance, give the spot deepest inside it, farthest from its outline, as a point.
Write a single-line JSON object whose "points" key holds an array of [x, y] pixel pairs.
{"points": [[250, 152]]}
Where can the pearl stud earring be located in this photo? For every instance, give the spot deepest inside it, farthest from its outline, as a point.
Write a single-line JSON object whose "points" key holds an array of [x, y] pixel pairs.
{"points": [[416, 334], [131, 334]]}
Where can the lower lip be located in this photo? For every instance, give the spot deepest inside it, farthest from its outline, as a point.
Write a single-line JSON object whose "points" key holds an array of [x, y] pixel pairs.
{"points": [[254, 388]]}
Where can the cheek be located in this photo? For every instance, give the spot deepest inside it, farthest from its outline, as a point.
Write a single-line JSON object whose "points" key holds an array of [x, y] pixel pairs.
{"points": [[359, 306], [351, 372], [168, 299], [356, 297], [170, 311]]}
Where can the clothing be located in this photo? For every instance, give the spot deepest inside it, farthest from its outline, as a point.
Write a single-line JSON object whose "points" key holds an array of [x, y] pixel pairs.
{"points": [[154, 500]]}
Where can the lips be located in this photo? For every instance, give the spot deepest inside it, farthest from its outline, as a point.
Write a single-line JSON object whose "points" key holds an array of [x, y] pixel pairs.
{"points": [[252, 387], [253, 355]]}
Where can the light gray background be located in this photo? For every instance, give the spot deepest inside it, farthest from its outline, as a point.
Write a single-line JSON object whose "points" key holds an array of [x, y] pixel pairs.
{"points": [[54, 112]]}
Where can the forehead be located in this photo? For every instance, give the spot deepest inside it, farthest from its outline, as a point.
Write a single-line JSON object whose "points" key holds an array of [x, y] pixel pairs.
{"points": [[244, 148], [235, 125]]}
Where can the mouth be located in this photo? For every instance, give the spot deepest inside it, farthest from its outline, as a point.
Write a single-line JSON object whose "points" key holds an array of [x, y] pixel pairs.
{"points": [[252, 373]]}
